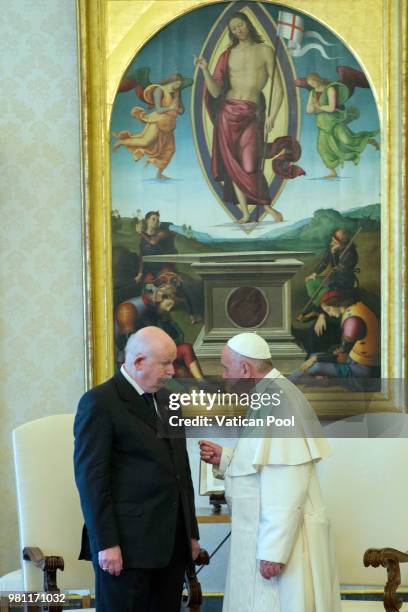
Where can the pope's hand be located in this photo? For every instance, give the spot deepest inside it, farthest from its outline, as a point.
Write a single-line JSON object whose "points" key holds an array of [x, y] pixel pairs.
{"points": [[110, 560], [269, 569], [210, 452], [195, 548]]}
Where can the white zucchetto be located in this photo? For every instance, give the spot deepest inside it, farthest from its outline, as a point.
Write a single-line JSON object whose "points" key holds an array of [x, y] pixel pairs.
{"points": [[249, 344]]}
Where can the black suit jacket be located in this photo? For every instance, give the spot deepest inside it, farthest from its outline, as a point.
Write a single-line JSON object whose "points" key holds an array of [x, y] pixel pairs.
{"points": [[131, 482]]}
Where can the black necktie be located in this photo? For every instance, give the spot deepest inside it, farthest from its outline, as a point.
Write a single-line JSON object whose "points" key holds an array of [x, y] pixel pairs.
{"points": [[151, 413], [148, 398]]}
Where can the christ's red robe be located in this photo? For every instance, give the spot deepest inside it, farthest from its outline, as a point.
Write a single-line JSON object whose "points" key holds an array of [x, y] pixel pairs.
{"points": [[238, 143]]}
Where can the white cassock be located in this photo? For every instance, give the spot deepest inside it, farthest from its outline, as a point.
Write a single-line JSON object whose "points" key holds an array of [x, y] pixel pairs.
{"points": [[277, 514]]}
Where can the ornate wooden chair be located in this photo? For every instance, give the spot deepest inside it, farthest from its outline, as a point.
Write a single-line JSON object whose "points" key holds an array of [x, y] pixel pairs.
{"points": [[49, 514]]}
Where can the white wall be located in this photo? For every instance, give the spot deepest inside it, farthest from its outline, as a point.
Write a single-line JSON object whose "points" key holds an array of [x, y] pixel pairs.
{"points": [[42, 347]]}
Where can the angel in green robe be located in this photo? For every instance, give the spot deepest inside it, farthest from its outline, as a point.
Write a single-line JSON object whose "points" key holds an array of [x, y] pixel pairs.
{"points": [[336, 142]]}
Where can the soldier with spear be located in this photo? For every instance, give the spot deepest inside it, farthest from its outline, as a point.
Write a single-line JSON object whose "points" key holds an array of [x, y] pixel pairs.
{"points": [[336, 270]]}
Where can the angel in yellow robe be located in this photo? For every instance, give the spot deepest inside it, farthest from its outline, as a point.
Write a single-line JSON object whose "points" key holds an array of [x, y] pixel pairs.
{"points": [[156, 140]]}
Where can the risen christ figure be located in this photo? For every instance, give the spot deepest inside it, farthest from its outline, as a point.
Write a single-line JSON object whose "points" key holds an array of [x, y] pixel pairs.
{"points": [[237, 107]]}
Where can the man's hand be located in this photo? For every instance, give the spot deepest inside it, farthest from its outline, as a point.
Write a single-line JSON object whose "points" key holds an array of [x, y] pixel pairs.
{"points": [[195, 548], [210, 452], [320, 325], [269, 569], [305, 316], [308, 363], [110, 560]]}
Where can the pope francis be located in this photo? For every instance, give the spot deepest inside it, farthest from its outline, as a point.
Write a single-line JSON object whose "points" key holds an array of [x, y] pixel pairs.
{"points": [[281, 556]]}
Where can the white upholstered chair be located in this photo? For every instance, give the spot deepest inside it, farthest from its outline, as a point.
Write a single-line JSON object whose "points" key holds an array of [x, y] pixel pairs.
{"points": [[49, 513], [366, 495]]}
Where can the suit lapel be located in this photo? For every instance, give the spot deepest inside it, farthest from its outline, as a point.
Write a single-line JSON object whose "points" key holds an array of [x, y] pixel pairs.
{"points": [[136, 405], [143, 411]]}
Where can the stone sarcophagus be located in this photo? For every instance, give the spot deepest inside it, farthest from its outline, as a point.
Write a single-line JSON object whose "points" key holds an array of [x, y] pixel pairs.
{"points": [[244, 291]]}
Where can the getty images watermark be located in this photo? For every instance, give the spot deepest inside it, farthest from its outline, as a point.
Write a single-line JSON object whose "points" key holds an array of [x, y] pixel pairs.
{"points": [[219, 400]]}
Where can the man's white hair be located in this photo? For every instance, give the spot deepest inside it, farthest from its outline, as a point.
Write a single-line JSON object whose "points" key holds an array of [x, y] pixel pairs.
{"points": [[259, 365], [133, 347], [144, 342]]}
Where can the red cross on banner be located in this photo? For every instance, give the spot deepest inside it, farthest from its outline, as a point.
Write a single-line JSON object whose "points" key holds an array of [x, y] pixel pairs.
{"points": [[290, 26]]}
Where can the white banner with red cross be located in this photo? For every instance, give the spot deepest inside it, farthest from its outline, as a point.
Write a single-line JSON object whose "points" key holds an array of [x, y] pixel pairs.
{"points": [[291, 27]]}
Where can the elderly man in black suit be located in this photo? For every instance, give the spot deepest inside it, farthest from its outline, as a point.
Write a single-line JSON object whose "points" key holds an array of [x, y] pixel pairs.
{"points": [[135, 487]]}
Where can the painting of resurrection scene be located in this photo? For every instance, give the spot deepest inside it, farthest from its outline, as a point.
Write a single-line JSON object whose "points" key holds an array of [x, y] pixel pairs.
{"points": [[245, 173]]}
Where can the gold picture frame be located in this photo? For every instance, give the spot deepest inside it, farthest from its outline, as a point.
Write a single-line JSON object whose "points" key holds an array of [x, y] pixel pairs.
{"points": [[110, 33]]}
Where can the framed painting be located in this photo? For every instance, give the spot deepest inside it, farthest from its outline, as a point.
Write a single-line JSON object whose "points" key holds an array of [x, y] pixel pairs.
{"points": [[244, 169]]}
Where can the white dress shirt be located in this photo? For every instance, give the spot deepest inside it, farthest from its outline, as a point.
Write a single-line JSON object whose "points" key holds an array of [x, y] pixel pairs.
{"points": [[137, 387]]}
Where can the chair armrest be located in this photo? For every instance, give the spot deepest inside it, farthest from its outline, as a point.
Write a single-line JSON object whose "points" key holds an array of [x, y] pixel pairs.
{"points": [[203, 558], [194, 597], [390, 558], [49, 565]]}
